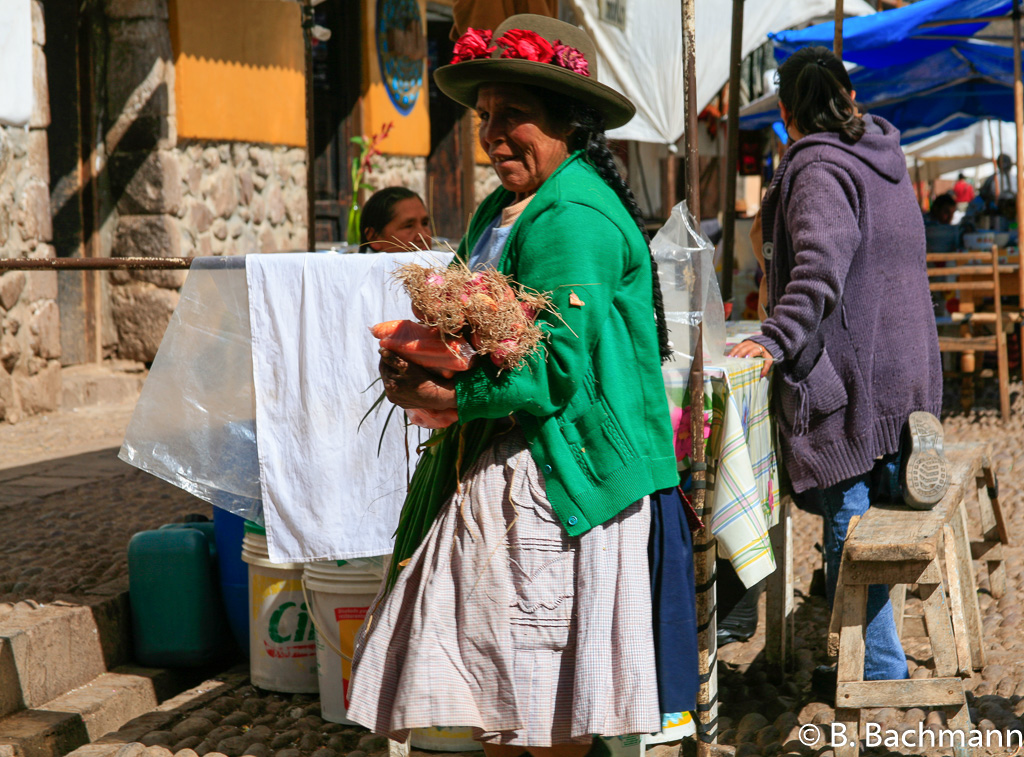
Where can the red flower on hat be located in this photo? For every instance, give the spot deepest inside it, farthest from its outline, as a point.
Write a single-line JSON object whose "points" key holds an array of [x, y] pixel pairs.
{"points": [[571, 58], [527, 45], [472, 45]]}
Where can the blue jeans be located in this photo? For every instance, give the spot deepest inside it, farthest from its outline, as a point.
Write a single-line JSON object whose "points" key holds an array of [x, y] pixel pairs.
{"points": [[884, 658]]}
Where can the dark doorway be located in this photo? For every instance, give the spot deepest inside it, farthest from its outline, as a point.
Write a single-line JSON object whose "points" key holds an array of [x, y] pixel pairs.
{"points": [[337, 82], [450, 165], [72, 194]]}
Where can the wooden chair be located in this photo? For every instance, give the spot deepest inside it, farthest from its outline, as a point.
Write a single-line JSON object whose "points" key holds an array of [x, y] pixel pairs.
{"points": [[979, 277]]}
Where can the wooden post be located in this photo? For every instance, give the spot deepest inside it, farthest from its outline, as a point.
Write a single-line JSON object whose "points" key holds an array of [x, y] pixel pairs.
{"points": [[307, 39], [732, 153], [1018, 117], [703, 542], [837, 42], [704, 555], [690, 102], [669, 182]]}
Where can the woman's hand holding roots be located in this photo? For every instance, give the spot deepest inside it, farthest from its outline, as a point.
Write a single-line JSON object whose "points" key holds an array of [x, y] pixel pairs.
{"points": [[428, 398], [747, 348]]}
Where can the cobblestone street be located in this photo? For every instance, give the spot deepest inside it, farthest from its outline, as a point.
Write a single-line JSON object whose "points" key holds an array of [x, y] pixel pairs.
{"points": [[68, 508]]}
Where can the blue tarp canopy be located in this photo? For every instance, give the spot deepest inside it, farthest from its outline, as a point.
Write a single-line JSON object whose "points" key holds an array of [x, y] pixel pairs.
{"points": [[898, 36], [923, 86]]}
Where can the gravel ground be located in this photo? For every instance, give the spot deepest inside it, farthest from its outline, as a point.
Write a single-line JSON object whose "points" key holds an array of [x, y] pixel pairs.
{"points": [[71, 544]]}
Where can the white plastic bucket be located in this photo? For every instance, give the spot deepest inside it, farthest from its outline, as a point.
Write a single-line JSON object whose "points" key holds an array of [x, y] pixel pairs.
{"points": [[339, 595], [282, 638], [445, 739]]}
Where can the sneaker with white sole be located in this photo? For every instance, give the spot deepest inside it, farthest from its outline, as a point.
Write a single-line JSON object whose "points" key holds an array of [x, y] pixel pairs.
{"points": [[924, 470]]}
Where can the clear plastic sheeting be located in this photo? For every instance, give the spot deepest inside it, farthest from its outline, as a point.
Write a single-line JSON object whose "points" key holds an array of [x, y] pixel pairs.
{"points": [[689, 286], [194, 425]]}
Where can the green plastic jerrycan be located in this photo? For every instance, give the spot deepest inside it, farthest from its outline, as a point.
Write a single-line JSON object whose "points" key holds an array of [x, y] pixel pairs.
{"points": [[177, 614]]}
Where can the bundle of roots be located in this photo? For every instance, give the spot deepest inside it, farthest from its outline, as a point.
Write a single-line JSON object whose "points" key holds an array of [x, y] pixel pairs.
{"points": [[495, 314]]}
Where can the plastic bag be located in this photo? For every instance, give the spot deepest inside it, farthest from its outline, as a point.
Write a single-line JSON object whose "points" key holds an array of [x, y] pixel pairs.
{"points": [[194, 425], [689, 286]]}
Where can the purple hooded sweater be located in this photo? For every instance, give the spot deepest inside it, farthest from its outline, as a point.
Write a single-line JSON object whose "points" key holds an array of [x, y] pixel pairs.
{"points": [[851, 324]]}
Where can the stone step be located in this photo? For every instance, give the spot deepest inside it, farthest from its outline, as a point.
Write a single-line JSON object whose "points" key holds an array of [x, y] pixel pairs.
{"points": [[78, 717], [112, 382], [124, 742], [46, 651]]}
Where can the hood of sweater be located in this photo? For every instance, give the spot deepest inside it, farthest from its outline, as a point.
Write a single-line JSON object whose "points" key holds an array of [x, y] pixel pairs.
{"points": [[879, 148]]}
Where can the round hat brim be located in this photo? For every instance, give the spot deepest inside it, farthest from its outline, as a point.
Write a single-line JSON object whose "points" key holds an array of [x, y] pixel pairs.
{"points": [[460, 81]]}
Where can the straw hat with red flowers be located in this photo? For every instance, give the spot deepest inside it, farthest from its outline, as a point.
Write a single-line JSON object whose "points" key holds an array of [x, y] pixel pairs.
{"points": [[536, 51]]}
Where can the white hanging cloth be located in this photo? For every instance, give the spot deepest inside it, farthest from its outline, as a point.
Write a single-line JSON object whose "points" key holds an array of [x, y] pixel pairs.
{"points": [[640, 51], [16, 92]]}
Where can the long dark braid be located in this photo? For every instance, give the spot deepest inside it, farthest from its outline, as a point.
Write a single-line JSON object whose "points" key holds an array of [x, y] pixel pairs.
{"points": [[589, 135]]}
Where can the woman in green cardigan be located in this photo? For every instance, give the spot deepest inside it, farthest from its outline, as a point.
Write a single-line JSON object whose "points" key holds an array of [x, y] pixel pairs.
{"points": [[526, 612]]}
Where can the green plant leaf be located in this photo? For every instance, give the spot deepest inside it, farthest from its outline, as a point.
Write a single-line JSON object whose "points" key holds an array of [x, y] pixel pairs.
{"points": [[376, 403], [358, 140], [380, 442]]}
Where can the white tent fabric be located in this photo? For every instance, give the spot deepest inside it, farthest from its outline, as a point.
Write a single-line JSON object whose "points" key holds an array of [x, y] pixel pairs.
{"points": [[954, 151], [643, 58], [16, 91]]}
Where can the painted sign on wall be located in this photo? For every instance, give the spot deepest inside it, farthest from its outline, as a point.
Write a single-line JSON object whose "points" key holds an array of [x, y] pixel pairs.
{"points": [[395, 55], [401, 51]]}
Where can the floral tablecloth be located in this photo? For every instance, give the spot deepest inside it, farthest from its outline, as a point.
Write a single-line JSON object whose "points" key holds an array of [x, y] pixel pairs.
{"points": [[743, 479]]}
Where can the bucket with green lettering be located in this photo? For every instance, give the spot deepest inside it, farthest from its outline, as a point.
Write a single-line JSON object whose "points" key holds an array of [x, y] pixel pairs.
{"points": [[444, 739], [339, 594], [282, 638]]}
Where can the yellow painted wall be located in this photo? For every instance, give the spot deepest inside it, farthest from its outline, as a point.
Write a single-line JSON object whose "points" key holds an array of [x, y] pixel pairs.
{"points": [[239, 69], [411, 133]]}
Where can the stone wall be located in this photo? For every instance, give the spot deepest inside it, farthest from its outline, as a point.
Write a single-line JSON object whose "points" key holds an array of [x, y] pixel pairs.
{"points": [[399, 171], [172, 198], [239, 199], [485, 181], [29, 318]]}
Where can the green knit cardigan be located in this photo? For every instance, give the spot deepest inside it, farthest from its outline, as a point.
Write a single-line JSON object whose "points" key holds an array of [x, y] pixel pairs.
{"points": [[592, 401]]}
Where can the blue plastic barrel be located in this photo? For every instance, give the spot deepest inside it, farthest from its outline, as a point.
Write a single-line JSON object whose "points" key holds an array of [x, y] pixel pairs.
{"points": [[234, 574]]}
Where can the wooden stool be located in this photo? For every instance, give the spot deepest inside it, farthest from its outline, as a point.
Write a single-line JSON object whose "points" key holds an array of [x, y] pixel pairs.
{"points": [[896, 546]]}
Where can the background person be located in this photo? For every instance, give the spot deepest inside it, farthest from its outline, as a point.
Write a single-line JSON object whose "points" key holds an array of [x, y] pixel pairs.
{"points": [[963, 192], [850, 326], [395, 220], [526, 612], [942, 210], [1006, 178]]}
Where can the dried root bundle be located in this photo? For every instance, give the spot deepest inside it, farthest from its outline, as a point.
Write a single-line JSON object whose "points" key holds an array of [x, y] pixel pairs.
{"points": [[496, 314]]}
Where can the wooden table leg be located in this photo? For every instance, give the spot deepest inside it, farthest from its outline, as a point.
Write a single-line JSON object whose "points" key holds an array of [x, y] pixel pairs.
{"points": [[898, 599], [990, 534], [779, 595], [851, 661], [967, 586]]}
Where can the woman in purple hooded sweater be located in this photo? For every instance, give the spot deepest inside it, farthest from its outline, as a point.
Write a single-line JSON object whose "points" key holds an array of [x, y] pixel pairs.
{"points": [[850, 326]]}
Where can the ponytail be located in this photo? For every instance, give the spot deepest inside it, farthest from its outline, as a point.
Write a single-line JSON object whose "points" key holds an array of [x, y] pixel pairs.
{"points": [[588, 135], [815, 88]]}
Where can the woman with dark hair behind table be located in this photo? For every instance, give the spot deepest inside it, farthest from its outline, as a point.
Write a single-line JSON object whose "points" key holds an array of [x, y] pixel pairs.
{"points": [[850, 327], [526, 612], [394, 219]]}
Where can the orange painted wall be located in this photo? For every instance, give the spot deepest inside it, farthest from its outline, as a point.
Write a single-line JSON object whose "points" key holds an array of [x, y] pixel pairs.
{"points": [[239, 69], [411, 133]]}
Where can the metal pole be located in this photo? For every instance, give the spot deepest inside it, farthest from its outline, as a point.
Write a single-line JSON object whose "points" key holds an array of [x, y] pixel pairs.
{"points": [[837, 42], [732, 153], [307, 37], [93, 264], [1018, 115], [690, 100]]}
